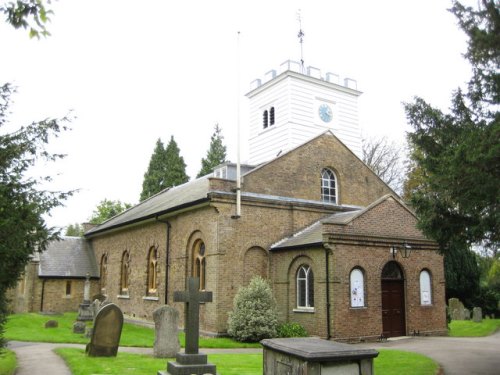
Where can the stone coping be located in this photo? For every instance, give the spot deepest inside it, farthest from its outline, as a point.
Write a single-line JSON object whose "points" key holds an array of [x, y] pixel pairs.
{"points": [[318, 350]]}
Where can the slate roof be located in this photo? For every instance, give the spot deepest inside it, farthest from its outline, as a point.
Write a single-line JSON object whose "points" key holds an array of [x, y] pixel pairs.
{"points": [[71, 257], [189, 193]]}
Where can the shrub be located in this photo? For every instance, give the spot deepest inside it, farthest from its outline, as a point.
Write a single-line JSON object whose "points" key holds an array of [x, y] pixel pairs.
{"points": [[254, 314], [291, 330]]}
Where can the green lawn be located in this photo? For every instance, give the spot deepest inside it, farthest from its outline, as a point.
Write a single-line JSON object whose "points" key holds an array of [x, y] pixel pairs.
{"points": [[468, 328], [30, 327], [7, 362], [389, 362]]}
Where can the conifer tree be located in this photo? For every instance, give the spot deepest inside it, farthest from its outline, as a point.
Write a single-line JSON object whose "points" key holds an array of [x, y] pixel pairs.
{"points": [[175, 173], [154, 178], [216, 154]]}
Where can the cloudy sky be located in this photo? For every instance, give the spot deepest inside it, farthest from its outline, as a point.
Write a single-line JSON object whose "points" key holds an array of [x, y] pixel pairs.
{"points": [[132, 72]]}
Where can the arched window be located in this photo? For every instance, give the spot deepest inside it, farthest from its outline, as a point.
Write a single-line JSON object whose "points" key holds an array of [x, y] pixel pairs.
{"points": [[265, 119], [152, 271], [271, 116], [357, 288], [199, 263], [328, 186], [305, 287], [425, 288], [124, 274], [104, 272]]}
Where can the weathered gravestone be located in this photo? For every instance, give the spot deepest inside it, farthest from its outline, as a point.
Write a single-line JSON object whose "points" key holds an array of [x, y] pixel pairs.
{"points": [[456, 309], [79, 327], [85, 312], [477, 314], [106, 332], [51, 324], [191, 361], [166, 332]]}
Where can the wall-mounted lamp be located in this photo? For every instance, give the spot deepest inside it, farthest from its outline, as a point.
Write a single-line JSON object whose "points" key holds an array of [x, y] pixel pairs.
{"points": [[405, 250]]}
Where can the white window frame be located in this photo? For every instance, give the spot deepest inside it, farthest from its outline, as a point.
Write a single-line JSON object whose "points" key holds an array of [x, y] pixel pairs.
{"points": [[425, 288], [306, 280], [357, 287], [327, 177]]}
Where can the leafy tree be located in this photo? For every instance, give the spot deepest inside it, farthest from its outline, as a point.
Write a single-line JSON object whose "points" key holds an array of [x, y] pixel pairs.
{"points": [[216, 154], [28, 14], [455, 156], [254, 315], [74, 230], [107, 209], [154, 178], [23, 203], [385, 158]]}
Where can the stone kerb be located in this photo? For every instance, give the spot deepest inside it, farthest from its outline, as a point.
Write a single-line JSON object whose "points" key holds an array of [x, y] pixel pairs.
{"points": [[106, 333], [166, 320]]}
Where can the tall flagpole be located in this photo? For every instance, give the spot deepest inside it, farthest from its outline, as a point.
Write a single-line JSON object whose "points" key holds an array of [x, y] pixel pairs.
{"points": [[238, 122]]}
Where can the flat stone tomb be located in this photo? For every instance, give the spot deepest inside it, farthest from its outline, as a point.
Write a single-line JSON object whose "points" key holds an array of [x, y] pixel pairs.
{"points": [[191, 361], [106, 333]]}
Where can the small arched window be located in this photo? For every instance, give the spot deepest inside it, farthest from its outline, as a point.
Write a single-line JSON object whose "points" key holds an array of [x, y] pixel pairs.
{"points": [[124, 275], [152, 271], [328, 186], [357, 288], [265, 119], [305, 287], [425, 288], [199, 263], [271, 116], [103, 273]]}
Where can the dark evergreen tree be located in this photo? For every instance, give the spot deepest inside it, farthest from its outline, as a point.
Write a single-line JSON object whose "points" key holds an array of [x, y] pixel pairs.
{"points": [[22, 202], [155, 177], [216, 154], [175, 166], [456, 156]]}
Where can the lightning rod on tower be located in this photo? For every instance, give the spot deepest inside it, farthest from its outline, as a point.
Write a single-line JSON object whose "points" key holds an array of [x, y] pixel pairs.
{"points": [[300, 35]]}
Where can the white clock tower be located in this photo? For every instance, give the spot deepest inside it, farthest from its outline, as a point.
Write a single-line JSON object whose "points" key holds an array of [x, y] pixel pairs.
{"points": [[291, 107]]}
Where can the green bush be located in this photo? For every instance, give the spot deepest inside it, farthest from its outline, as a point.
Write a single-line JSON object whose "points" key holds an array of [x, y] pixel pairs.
{"points": [[291, 330], [254, 314]]}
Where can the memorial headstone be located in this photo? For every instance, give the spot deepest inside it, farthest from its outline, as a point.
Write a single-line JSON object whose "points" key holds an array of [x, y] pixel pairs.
{"points": [[477, 314], [106, 332], [191, 361], [84, 311], [51, 324], [166, 320], [456, 309], [79, 327]]}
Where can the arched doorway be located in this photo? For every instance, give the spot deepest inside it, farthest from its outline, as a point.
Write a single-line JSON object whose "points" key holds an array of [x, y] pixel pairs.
{"points": [[393, 300]]}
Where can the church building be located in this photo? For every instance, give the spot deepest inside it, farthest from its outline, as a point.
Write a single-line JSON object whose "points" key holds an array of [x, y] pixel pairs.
{"points": [[341, 250]]}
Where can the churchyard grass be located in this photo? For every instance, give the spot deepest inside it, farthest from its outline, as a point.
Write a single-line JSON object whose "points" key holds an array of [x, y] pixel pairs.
{"points": [[389, 362], [30, 327], [468, 328], [7, 362]]}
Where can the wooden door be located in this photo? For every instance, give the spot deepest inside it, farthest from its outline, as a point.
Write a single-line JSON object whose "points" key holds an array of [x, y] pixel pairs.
{"points": [[393, 308]]}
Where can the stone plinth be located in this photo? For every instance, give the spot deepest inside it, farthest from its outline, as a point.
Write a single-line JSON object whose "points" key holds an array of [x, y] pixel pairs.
{"points": [[188, 364], [315, 357]]}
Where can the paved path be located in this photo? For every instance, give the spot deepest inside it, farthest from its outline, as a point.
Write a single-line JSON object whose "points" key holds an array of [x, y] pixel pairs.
{"points": [[457, 356]]}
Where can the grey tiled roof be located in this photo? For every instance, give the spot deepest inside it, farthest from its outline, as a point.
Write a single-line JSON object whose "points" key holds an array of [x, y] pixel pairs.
{"points": [[177, 196], [69, 257]]}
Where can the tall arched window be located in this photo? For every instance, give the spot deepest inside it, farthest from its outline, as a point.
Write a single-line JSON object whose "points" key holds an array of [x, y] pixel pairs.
{"points": [[305, 287], [124, 274], [104, 272], [425, 288], [265, 119], [152, 271], [357, 288], [328, 186], [199, 263], [271, 116]]}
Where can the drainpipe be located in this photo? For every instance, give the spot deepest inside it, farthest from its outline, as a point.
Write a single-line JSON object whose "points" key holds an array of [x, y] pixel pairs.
{"points": [[328, 248], [41, 299], [167, 257]]}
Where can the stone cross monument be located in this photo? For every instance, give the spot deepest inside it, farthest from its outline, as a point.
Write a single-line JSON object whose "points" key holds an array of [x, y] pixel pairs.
{"points": [[84, 312], [191, 361]]}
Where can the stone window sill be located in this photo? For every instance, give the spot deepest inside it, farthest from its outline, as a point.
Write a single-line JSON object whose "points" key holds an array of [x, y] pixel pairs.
{"points": [[123, 296], [307, 310], [359, 308], [427, 306], [150, 298]]}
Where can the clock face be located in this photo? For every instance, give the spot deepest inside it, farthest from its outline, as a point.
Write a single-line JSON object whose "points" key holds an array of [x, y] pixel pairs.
{"points": [[325, 113]]}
